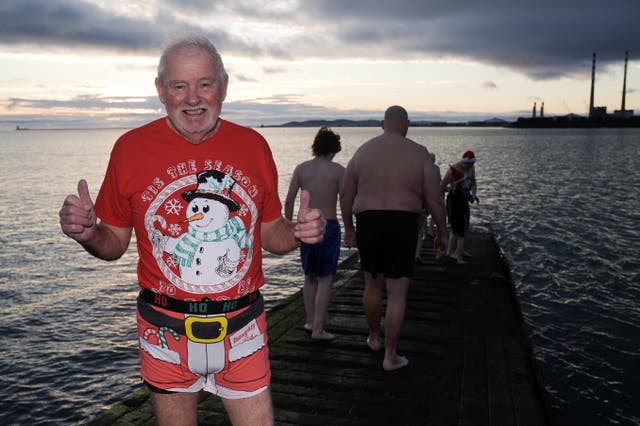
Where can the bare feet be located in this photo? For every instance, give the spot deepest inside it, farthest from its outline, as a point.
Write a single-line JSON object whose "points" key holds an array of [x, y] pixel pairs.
{"points": [[396, 363], [374, 343], [323, 335]]}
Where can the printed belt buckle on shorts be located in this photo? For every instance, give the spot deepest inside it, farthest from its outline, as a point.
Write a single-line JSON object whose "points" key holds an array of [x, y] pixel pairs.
{"points": [[207, 330]]}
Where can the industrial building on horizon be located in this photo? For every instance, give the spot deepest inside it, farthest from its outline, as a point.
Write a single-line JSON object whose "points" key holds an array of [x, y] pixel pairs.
{"points": [[598, 116]]}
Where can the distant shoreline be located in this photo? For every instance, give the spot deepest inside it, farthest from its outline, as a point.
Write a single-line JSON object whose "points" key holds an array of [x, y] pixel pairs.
{"points": [[570, 121], [376, 123], [533, 122], [39, 129], [301, 124]]}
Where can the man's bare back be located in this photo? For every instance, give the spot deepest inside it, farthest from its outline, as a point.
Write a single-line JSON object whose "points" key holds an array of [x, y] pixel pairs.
{"points": [[398, 184], [391, 172], [323, 179]]}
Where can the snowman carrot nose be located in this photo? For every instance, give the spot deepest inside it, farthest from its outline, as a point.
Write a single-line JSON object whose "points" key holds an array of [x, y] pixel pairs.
{"points": [[196, 216]]}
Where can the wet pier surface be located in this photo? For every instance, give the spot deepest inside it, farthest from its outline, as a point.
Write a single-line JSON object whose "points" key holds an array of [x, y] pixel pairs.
{"points": [[470, 362]]}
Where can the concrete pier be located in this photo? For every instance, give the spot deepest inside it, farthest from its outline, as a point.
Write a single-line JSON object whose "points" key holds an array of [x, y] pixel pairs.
{"points": [[470, 359]]}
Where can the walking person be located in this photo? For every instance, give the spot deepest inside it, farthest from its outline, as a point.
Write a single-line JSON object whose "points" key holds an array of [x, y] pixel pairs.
{"points": [[322, 178], [459, 183], [426, 223], [201, 194], [386, 182]]}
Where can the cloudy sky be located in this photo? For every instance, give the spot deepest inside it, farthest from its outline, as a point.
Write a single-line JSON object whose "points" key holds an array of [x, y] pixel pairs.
{"points": [[79, 63]]}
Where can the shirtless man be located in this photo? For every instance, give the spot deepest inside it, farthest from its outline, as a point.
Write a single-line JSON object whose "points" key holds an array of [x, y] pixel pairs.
{"points": [[386, 182], [323, 179]]}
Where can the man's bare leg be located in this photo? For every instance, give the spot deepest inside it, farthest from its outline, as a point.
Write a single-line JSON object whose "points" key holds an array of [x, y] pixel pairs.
{"points": [[397, 289], [256, 410], [372, 301], [175, 409], [323, 296], [309, 291]]}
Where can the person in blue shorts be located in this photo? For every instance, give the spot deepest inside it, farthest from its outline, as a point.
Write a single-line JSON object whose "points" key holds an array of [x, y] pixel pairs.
{"points": [[323, 178]]}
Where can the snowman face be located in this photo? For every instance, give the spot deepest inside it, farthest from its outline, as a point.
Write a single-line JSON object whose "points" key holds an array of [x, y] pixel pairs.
{"points": [[213, 214]]}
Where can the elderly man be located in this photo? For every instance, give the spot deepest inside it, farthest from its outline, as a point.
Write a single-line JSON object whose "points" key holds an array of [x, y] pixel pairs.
{"points": [[201, 194], [386, 183]]}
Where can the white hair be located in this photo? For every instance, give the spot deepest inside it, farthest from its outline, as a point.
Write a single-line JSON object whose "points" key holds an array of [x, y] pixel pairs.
{"points": [[198, 41]]}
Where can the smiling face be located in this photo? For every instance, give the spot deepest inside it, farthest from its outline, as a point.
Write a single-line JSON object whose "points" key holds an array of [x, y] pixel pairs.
{"points": [[208, 215], [192, 92]]}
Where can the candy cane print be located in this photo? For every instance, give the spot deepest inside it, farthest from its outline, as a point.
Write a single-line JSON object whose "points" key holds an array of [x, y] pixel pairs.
{"points": [[163, 339], [148, 332]]}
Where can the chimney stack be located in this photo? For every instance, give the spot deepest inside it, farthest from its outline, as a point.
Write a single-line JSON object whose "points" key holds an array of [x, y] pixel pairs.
{"points": [[624, 84], [534, 110], [593, 79]]}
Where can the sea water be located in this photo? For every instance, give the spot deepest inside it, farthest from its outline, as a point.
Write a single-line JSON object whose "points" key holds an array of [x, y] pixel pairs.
{"points": [[562, 203]]}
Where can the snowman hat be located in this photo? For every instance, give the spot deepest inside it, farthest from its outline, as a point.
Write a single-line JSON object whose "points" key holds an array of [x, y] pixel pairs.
{"points": [[468, 157], [214, 185]]}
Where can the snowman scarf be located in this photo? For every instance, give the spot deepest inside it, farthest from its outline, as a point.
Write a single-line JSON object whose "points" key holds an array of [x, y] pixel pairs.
{"points": [[192, 239]]}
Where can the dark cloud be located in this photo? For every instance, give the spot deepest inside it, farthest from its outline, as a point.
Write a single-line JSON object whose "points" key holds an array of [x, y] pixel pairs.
{"points": [[121, 112], [245, 79], [88, 102], [192, 6], [73, 24], [274, 70], [542, 39]]}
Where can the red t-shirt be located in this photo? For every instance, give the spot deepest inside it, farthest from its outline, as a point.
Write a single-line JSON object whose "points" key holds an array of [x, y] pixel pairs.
{"points": [[196, 209]]}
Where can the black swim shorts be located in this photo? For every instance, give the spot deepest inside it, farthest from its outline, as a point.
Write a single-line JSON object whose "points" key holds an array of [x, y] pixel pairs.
{"points": [[458, 213], [387, 242]]}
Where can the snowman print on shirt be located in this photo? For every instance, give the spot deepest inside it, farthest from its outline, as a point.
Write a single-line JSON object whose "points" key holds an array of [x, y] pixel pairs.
{"points": [[210, 250]]}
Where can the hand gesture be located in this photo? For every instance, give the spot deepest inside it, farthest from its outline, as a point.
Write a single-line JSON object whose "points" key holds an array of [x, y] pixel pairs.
{"points": [[77, 216], [310, 226]]}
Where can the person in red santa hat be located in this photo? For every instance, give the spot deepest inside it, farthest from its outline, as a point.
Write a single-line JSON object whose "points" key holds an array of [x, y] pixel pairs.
{"points": [[459, 182]]}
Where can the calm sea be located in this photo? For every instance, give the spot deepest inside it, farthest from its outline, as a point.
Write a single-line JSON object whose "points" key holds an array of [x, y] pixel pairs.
{"points": [[564, 205]]}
